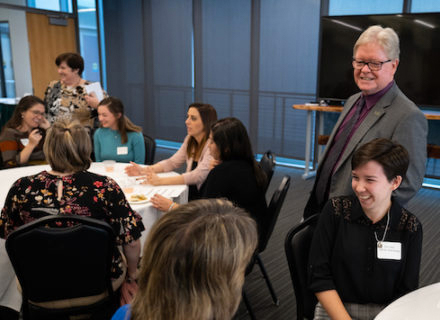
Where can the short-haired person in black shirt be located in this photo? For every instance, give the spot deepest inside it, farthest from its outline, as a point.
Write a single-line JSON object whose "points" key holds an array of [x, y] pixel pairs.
{"points": [[366, 248]]}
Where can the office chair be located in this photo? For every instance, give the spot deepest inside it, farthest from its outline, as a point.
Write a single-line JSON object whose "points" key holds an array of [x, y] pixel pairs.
{"points": [[62, 258], [266, 229], [267, 164], [297, 247], [150, 149]]}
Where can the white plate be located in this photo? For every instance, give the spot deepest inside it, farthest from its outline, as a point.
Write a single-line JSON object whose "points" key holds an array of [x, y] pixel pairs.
{"points": [[132, 201]]}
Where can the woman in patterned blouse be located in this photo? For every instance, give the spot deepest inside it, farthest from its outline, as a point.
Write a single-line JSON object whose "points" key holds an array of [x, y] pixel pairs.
{"points": [[70, 189], [67, 97]]}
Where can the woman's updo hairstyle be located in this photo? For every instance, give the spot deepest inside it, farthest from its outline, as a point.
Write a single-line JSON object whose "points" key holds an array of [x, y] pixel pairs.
{"points": [[68, 146]]}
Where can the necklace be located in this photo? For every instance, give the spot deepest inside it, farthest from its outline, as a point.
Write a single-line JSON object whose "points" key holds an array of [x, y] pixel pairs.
{"points": [[379, 243]]}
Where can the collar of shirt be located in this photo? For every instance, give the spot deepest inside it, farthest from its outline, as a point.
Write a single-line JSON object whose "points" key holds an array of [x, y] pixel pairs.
{"points": [[372, 99], [358, 214], [370, 102]]}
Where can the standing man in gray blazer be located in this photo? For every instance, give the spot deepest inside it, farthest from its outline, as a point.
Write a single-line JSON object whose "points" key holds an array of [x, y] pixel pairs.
{"points": [[380, 110]]}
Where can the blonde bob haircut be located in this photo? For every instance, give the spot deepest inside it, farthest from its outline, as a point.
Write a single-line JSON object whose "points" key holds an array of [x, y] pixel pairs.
{"points": [[68, 147], [387, 38], [194, 262]]}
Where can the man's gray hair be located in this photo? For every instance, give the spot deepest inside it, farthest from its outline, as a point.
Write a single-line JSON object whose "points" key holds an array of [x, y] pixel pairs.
{"points": [[387, 38]]}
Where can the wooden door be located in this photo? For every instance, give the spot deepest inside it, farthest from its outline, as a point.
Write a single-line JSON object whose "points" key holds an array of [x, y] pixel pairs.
{"points": [[46, 42]]}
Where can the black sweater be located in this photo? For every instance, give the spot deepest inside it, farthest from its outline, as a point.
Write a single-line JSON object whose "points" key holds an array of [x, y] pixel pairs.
{"points": [[235, 180]]}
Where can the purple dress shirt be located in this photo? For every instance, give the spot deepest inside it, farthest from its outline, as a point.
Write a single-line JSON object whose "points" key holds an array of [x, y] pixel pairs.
{"points": [[370, 102]]}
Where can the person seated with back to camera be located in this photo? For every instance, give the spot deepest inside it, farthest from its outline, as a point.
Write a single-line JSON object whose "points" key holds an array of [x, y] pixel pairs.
{"points": [[68, 188], [193, 263], [22, 137], [118, 138], [236, 175], [366, 248], [194, 152]]}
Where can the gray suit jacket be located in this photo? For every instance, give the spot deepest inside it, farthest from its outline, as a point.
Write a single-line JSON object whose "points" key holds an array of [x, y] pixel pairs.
{"points": [[394, 117]]}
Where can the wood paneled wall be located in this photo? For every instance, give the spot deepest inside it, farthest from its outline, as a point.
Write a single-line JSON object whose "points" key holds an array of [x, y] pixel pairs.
{"points": [[46, 42]]}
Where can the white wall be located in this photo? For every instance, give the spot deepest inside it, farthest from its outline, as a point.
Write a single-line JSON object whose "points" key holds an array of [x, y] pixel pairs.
{"points": [[19, 47]]}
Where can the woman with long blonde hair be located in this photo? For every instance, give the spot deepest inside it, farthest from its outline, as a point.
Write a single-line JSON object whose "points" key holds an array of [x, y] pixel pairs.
{"points": [[193, 263]]}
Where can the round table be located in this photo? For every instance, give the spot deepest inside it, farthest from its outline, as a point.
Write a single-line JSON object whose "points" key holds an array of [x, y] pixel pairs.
{"points": [[423, 303], [9, 295]]}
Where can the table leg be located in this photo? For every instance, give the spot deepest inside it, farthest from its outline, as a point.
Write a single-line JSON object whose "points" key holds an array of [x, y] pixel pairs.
{"points": [[319, 149], [309, 135]]}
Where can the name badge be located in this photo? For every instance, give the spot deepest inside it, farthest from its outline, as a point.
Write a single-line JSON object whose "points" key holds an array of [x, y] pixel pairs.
{"points": [[389, 250], [24, 141], [122, 150]]}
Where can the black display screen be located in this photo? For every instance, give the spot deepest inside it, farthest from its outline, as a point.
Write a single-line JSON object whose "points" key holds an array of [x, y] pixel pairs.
{"points": [[418, 74]]}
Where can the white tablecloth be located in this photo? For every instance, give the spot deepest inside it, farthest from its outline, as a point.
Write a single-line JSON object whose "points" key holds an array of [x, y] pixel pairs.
{"points": [[9, 296], [423, 303]]}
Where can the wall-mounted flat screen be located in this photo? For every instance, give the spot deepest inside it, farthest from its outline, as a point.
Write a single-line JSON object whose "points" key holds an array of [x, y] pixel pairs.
{"points": [[418, 74]]}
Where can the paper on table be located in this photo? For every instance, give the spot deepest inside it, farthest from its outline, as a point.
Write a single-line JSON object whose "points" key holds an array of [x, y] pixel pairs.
{"points": [[166, 192], [96, 88]]}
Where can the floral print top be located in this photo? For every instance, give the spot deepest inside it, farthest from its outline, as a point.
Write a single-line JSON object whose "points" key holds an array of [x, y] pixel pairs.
{"points": [[66, 102], [84, 193]]}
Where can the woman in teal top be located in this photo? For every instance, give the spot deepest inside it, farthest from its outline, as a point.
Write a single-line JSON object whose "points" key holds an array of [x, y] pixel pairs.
{"points": [[118, 138]]}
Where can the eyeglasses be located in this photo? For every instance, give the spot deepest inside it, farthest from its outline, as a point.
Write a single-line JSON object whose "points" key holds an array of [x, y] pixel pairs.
{"points": [[372, 65], [38, 113]]}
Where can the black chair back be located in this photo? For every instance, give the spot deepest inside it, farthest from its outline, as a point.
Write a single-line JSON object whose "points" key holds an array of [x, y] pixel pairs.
{"points": [[273, 211], [54, 262], [150, 149], [297, 247], [266, 227], [267, 164]]}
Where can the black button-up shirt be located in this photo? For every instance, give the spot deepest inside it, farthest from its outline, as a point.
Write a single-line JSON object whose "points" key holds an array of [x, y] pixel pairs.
{"points": [[343, 255]]}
